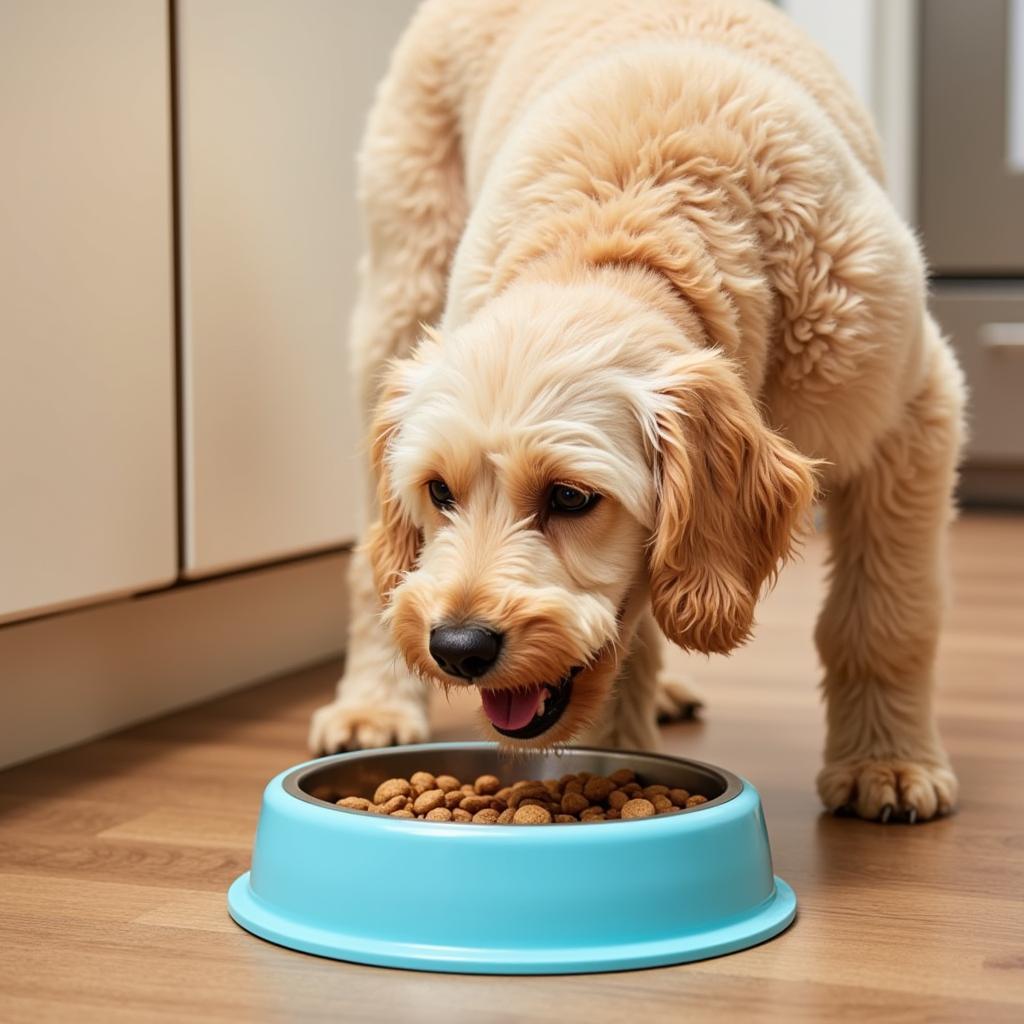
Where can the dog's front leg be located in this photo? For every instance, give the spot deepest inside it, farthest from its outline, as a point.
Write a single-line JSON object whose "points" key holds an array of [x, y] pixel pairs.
{"points": [[379, 702], [879, 629]]}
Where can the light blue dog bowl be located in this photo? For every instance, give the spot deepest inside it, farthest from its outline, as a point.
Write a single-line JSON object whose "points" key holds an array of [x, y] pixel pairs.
{"points": [[509, 899]]}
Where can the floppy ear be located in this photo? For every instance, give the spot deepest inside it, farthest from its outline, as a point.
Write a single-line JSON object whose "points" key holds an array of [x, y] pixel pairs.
{"points": [[392, 541], [731, 495]]}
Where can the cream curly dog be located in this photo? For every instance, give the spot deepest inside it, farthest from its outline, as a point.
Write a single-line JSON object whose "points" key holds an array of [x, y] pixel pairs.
{"points": [[667, 299]]}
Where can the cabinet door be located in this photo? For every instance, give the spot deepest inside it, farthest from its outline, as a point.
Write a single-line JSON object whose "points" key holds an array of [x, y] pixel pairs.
{"points": [[273, 96], [87, 464]]}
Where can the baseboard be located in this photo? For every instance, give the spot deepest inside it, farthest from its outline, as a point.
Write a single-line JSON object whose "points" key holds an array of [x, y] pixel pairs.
{"points": [[74, 676]]}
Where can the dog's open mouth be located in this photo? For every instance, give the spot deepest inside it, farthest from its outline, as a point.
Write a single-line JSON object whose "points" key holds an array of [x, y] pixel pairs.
{"points": [[528, 711]]}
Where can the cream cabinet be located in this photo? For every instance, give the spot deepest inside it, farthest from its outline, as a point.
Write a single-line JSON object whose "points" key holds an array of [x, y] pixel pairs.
{"points": [[87, 432], [136, 449], [272, 100]]}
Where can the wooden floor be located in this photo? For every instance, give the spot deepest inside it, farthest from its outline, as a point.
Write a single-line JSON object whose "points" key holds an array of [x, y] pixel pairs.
{"points": [[115, 856]]}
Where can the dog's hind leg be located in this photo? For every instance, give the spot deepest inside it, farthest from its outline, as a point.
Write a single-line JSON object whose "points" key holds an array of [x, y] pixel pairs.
{"points": [[879, 629], [676, 699], [411, 190]]}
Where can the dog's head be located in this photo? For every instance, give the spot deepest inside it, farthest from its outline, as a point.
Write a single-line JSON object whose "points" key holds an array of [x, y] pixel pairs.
{"points": [[543, 470]]}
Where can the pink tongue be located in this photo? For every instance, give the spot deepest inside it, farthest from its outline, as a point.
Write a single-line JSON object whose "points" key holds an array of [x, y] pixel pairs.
{"points": [[511, 709]]}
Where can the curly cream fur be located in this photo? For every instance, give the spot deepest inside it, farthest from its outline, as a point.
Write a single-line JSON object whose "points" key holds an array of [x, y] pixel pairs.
{"points": [[659, 264]]}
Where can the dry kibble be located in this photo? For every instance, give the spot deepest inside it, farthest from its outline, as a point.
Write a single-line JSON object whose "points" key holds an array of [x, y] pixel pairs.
{"points": [[531, 814], [637, 808], [533, 790], [597, 789], [574, 803], [391, 788], [487, 785], [426, 802], [575, 797], [617, 799], [354, 803]]}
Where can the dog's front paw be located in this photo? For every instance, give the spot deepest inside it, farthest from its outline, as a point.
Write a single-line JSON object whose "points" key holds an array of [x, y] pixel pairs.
{"points": [[888, 789], [676, 700], [352, 725]]}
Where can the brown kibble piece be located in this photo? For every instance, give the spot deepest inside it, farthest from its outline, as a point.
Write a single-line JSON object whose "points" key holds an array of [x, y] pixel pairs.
{"points": [[696, 800], [572, 786], [564, 819], [396, 803], [592, 814], [617, 799], [637, 808], [678, 797], [487, 816], [393, 787], [453, 798], [446, 783], [652, 791], [531, 814], [597, 789], [505, 818], [532, 801], [460, 815], [498, 805], [504, 793], [403, 813], [662, 804], [439, 814], [612, 814], [422, 781], [623, 777], [354, 803], [631, 788], [474, 803], [426, 802], [565, 779], [487, 785], [534, 790], [574, 803], [467, 788]]}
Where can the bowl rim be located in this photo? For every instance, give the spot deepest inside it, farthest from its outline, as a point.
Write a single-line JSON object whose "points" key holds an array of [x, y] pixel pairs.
{"points": [[291, 783]]}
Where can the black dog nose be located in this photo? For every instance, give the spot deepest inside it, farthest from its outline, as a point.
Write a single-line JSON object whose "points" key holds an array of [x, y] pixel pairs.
{"points": [[464, 651]]}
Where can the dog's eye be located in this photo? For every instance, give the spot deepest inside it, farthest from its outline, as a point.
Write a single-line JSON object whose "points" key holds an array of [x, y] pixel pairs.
{"points": [[571, 501], [440, 495]]}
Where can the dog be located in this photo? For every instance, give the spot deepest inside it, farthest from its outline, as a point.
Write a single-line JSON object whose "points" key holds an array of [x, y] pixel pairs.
{"points": [[634, 299]]}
